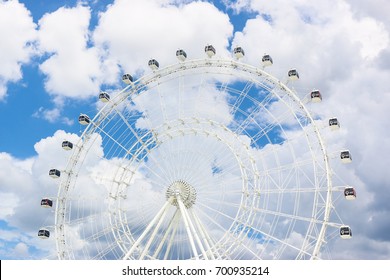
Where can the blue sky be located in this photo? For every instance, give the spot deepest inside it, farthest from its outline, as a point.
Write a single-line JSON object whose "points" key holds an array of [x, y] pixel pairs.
{"points": [[58, 55]]}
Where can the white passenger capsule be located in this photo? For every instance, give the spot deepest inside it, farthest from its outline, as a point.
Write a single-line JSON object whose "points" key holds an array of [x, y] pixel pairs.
{"points": [[293, 75], [43, 233], [238, 52], [104, 96], [127, 79], [334, 124], [266, 60], [345, 232], [210, 50], [346, 157], [84, 119], [54, 173], [153, 64], [181, 55]]}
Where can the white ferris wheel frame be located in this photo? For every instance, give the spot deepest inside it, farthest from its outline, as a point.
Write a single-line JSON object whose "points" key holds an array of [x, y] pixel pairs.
{"points": [[263, 79]]}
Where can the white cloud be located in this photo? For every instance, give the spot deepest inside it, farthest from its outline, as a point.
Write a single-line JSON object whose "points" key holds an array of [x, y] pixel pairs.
{"points": [[128, 34], [13, 174], [52, 115], [304, 36], [21, 250], [74, 68], [77, 61], [23, 184], [372, 35], [9, 200], [365, 8], [134, 32], [16, 46]]}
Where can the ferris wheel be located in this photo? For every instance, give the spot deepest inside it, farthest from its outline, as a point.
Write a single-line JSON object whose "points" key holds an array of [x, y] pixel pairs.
{"points": [[208, 158]]}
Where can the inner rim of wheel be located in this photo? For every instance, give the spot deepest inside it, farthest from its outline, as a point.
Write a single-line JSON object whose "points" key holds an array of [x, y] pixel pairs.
{"points": [[199, 203]]}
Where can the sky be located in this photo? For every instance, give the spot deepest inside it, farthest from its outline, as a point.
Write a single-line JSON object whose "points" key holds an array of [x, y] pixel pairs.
{"points": [[56, 56]]}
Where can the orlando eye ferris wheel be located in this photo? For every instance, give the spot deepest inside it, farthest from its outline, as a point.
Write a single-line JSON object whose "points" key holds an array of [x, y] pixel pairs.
{"points": [[208, 158]]}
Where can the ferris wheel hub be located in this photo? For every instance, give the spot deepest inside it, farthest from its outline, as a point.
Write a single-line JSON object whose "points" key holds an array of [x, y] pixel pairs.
{"points": [[182, 189]]}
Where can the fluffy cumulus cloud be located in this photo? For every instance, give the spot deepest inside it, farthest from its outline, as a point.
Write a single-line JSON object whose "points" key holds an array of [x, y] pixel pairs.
{"points": [[17, 38], [23, 184], [73, 68], [52, 115]]}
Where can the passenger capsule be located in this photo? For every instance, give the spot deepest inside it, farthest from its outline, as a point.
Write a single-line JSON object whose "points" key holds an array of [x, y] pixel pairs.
{"points": [[334, 124], [350, 193], [238, 52], [181, 55], [316, 96], [84, 119], [127, 79], [267, 60], [153, 64], [104, 96], [345, 232], [54, 173], [43, 233], [293, 75], [66, 145], [210, 51], [46, 203], [345, 156]]}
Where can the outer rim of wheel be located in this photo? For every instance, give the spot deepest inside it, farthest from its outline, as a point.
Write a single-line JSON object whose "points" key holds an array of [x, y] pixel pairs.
{"points": [[143, 82]]}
